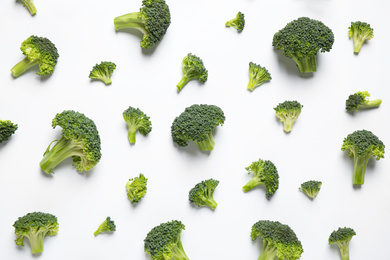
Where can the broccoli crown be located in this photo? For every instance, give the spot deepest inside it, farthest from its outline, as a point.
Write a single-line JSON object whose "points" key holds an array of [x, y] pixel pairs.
{"points": [[279, 240], [7, 129], [196, 124], [136, 188], [257, 76], [288, 113], [311, 188], [193, 68], [342, 237], [136, 120], [237, 22], [103, 71], [164, 241], [30, 6], [360, 100], [107, 225], [35, 226], [360, 32], [202, 193]]}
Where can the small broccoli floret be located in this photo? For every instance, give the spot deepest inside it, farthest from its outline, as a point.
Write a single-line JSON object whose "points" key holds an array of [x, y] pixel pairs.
{"points": [[237, 22], [193, 68], [164, 241], [360, 32], [35, 226], [279, 241], [257, 76], [107, 225], [30, 6], [103, 71], [342, 237], [79, 139], [311, 188], [360, 100], [136, 120], [197, 123], [136, 188], [152, 20], [7, 129], [202, 193], [288, 113], [38, 51], [362, 145]]}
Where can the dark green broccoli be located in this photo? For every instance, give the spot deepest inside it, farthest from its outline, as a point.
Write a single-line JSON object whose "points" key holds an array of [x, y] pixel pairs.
{"points": [[7, 129], [107, 225], [35, 226], [38, 51], [202, 193], [237, 22], [152, 20], [136, 120], [288, 113], [342, 237], [164, 241], [79, 139], [197, 123], [257, 76], [311, 188], [136, 188], [302, 39], [362, 145], [193, 68], [103, 71], [360, 100], [30, 6], [279, 241], [360, 32]]}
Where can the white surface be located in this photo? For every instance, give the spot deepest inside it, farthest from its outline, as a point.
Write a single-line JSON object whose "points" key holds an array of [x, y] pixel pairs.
{"points": [[84, 34]]}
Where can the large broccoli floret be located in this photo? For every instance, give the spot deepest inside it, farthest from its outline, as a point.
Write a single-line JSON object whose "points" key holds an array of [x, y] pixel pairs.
{"points": [[7, 129], [38, 51], [202, 193], [35, 226], [342, 237], [152, 20], [136, 188], [237, 22], [136, 120], [103, 71], [257, 76], [107, 225], [193, 68], [197, 123], [360, 100], [79, 139], [311, 188], [360, 32], [30, 6], [279, 241], [164, 241], [288, 113], [302, 39], [362, 145]]}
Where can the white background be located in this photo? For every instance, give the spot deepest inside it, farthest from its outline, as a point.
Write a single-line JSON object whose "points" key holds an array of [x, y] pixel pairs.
{"points": [[84, 34]]}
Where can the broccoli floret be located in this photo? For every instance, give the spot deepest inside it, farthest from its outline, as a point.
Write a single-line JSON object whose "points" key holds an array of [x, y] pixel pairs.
{"points": [[79, 139], [302, 39], [103, 71], [136, 120], [279, 241], [164, 241], [35, 226], [38, 51], [193, 68], [362, 145], [342, 237], [152, 20], [202, 193], [257, 76], [107, 225], [30, 6], [7, 129], [311, 188], [237, 22], [360, 100], [197, 123], [288, 113], [360, 32], [136, 188]]}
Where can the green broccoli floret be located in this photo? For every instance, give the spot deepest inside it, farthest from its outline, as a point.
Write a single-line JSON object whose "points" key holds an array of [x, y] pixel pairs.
{"points": [[193, 68], [311, 188], [360, 32], [279, 241], [30, 6], [136, 120], [264, 173], [79, 139], [302, 39], [362, 145], [136, 188], [257, 76], [103, 71], [38, 51], [342, 237], [197, 123], [360, 100], [164, 241], [202, 193], [288, 113], [35, 226], [152, 20], [7, 129], [107, 225], [237, 22]]}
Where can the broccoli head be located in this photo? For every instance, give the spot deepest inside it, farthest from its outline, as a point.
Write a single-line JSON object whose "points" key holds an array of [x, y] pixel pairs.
{"points": [[288, 113], [311, 188], [136, 188], [38, 51], [360, 32], [7, 129], [107, 225], [79, 139], [35, 226], [257, 76], [197, 123], [237, 22], [193, 68], [342, 237], [103, 71], [152, 20], [30, 6], [362, 145], [136, 120], [202, 193], [360, 100], [302, 39]]}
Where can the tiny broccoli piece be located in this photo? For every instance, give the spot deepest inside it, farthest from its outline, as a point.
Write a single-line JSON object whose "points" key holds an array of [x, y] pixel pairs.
{"points": [[360, 32], [202, 193], [107, 225], [38, 51], [311, 188], [7, 129], [164, 241], [30, 6], [197, 123], [79, 139], [103, 71], [288, 113], [35, 226], [136, 120], [152, 20], [136, 188], [257, 76], [237, 22], [362, 145], [279, 241], [342, 237], [360, 100], [193, 68]]}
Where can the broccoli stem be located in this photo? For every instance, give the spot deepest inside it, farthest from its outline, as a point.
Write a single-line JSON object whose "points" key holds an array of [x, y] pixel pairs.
{"points": [[36, 242], [288, 125], [306, 64], [130, 20], [22, 66], [251, 184], [184, 80], [178, 252], [208, 144], [371, 104], [131, 135], [357, 45], [360, 165], [30, 6], [210, 202], [268, 252]]}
